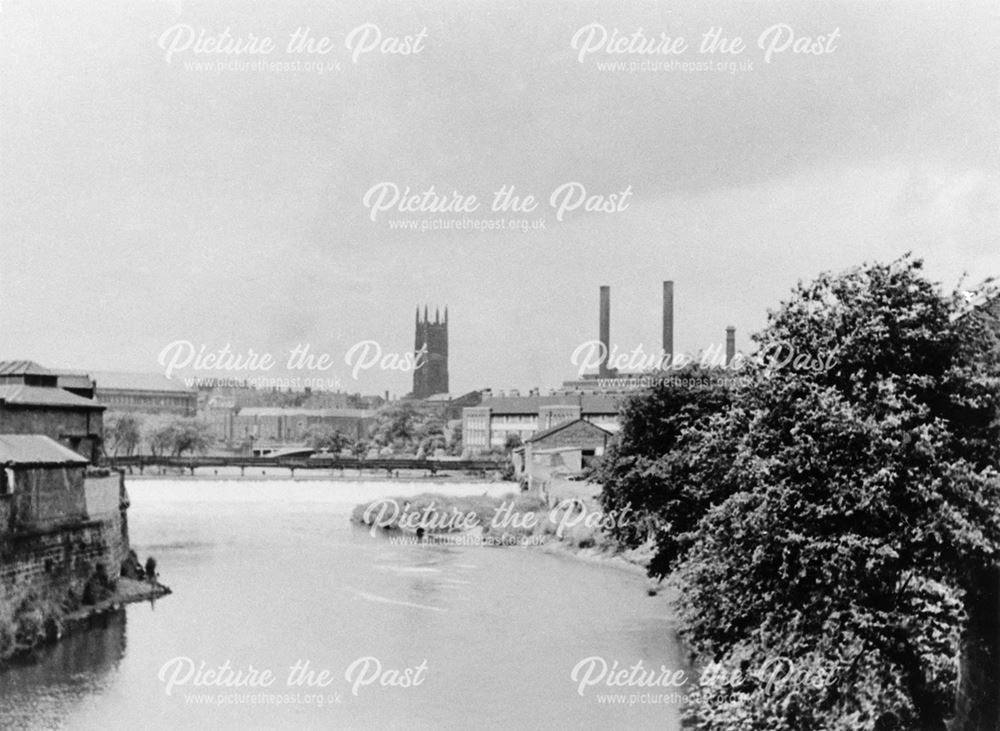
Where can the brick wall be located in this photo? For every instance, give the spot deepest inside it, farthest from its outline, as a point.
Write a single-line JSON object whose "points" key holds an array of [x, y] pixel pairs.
{"points": [[43, 560], [46, 559]]}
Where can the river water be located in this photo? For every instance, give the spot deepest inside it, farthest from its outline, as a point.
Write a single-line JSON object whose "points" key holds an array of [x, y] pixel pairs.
{"points": [[270, 575]]}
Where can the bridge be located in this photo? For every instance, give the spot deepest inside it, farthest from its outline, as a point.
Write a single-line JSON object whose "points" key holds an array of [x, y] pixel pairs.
{"points": [[141, 462]]}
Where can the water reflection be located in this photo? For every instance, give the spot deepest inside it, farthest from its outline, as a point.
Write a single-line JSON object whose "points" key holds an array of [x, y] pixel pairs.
{"points": [[37, 691]]}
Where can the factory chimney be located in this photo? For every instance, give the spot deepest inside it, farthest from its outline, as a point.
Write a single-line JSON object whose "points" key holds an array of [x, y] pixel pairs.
{"points": [[605, 330], [668, 322], [730, 344]]}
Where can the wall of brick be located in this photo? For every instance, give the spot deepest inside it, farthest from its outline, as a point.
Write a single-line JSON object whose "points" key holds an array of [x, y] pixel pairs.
{"points": [[46, 559]]}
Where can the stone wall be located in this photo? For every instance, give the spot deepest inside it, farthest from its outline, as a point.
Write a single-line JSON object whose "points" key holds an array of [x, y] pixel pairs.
{"points": [[47, 559]]}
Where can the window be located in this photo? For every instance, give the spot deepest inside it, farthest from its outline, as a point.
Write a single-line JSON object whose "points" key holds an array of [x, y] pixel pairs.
{"points": [[7, 483]]}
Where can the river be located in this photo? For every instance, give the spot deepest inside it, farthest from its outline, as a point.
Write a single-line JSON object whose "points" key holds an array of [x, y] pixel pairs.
{"points": [[271, 575]]}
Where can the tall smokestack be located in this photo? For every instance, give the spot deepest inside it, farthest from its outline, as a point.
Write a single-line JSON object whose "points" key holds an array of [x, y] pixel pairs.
{"points": [[605, 333], [730, 344], [668, 321]]}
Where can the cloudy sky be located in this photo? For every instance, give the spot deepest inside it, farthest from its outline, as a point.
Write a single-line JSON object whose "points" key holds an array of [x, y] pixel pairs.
{"points": [[158, 186]]}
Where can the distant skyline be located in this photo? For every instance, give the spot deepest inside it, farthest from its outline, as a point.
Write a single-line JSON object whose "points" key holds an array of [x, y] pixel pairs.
{"points": [[146, 200]]}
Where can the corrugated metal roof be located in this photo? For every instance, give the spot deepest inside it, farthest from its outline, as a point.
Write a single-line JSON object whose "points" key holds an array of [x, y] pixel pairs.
{"points": [[44, 396], [125, 381], [35, 449], [23, 367]]}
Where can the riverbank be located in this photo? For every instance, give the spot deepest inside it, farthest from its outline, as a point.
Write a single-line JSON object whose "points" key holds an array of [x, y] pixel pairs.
{"points": [[319, 476], [569, 526], [31, 619]]}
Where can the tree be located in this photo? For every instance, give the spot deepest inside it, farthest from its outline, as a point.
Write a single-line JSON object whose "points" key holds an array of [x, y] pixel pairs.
{"points": [[395, 427], [191, 435], [512, 442], [455, 446], [360, 448], [325, 437], [843, 513], [174, 436], [122, 433], [666, 469], [158, 434]]}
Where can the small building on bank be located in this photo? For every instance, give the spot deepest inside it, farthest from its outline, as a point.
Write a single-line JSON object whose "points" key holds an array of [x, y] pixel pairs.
{"points": [[565, 449], [31, 402], [41, 485], [60, 519], [488, 426]]}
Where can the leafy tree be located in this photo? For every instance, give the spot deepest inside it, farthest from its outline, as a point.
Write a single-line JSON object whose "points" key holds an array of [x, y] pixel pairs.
{"points": [[395, 427], [455, 446], [191, 435], [122, 433], [430, 444], [324, 436], [512, 442], [843, 516], [158, 434], [174, 436], [667, 466]]}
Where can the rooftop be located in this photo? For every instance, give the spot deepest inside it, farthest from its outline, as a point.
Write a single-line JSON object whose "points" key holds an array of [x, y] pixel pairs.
{"points": [[22, 368], [127, 381], [538, 436], [588, 403], [74, 380], [318, 413], [42, 396], [35, 449]]}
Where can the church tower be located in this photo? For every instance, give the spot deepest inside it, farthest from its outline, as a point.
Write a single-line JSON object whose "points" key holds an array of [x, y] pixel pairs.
{"points": [[432, 376]]}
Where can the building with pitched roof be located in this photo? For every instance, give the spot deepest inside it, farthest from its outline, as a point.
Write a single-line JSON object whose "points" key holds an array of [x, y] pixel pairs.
{"points": [[31, 402], [489, 425]]}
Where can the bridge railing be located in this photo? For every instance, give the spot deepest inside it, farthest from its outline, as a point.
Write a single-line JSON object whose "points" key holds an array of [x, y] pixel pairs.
{"points": [[306, 463]]}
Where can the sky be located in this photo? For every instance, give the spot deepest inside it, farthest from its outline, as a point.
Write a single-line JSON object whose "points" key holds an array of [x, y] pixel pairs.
{"points": [[157, 189]]}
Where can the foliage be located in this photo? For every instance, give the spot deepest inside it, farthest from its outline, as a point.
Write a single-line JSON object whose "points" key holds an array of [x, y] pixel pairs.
{"points": [[326, 437], [455, 446], [838, 511], [394, 427], [122, 433], [400, 428], [175, 436], [512, 442], [663, 466]]}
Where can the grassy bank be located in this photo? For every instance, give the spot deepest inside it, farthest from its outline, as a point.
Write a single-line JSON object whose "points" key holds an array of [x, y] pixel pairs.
{"points": [[515, 519], [30, 618]]}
